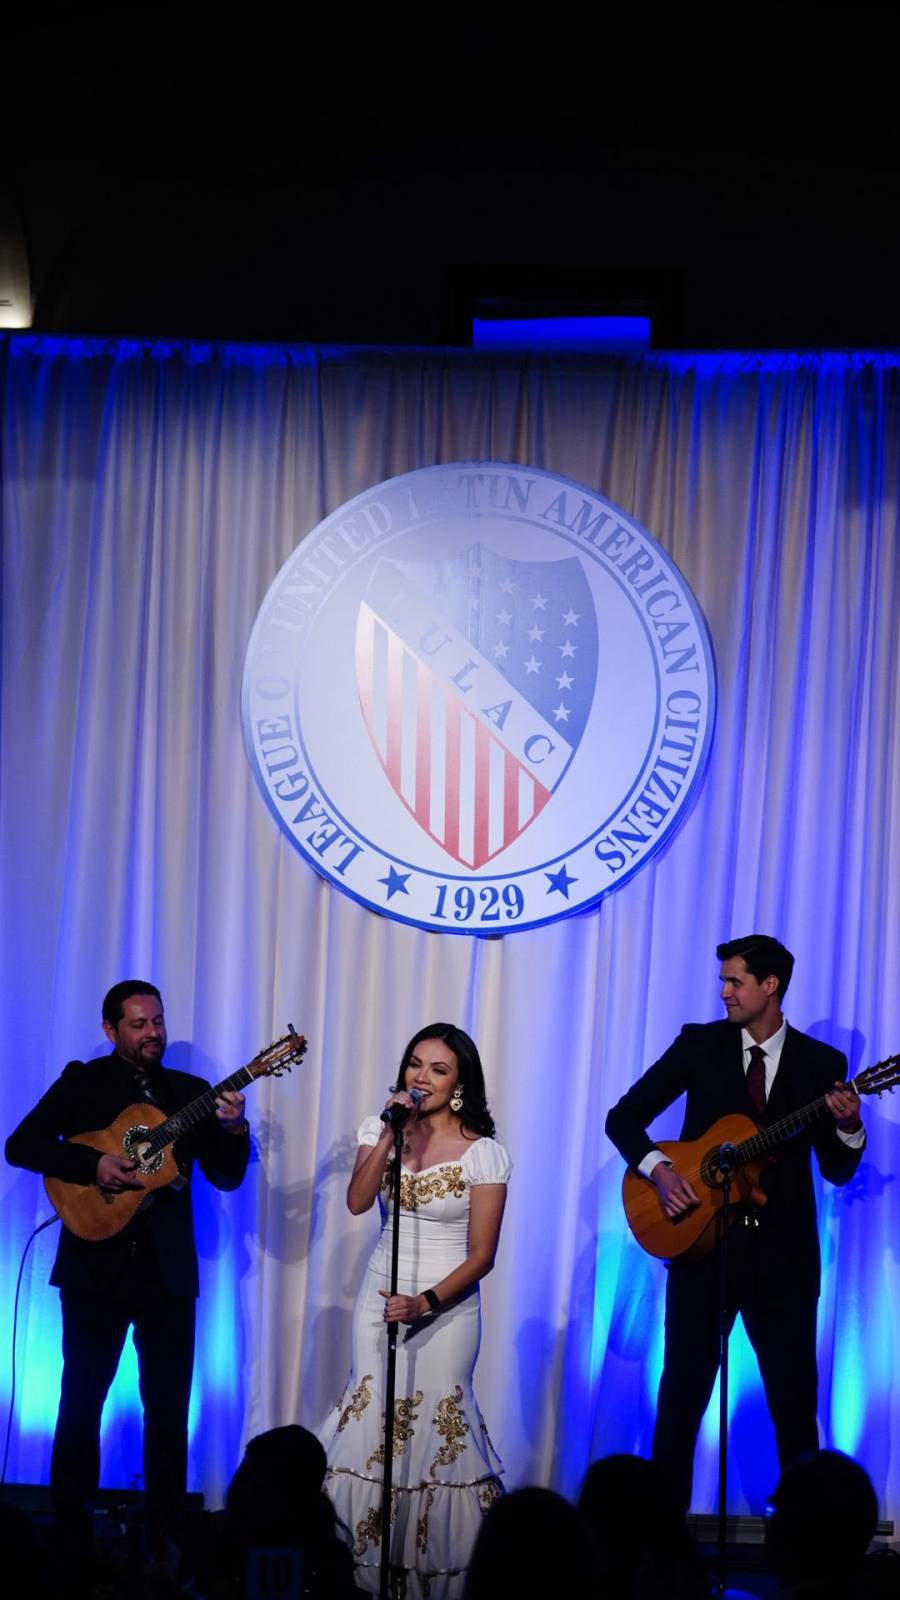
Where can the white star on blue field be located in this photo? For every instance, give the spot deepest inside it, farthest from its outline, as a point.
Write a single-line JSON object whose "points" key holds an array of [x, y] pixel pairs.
{"points": [[534, 621]]}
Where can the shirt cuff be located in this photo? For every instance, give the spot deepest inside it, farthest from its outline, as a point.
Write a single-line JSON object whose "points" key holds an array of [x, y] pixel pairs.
{"points": [[854, 1141], [650, 1161]]}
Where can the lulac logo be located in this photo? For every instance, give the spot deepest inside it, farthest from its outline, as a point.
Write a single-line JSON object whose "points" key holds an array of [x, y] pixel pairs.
{"points": [[478, 697]]}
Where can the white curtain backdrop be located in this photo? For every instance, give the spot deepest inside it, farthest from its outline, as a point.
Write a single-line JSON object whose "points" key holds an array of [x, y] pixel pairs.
{"points": [[150, 493]]}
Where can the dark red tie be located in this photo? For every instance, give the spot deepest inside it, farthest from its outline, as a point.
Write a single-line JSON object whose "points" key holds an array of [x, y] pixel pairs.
{"points": [[756, 1078]]}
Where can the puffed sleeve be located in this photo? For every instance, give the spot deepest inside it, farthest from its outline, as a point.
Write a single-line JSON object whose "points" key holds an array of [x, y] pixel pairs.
{"points": [[370, 1130], [488, 1162]]}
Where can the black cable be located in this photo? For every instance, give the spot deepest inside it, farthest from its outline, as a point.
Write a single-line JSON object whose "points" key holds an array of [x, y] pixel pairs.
{"points": [[12, 1396]]}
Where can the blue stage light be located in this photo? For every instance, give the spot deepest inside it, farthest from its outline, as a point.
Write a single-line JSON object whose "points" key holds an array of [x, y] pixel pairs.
{"points": [[584, 335]]}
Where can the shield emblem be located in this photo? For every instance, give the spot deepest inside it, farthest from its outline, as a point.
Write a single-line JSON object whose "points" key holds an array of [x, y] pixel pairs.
{"points": [[476, 677]]}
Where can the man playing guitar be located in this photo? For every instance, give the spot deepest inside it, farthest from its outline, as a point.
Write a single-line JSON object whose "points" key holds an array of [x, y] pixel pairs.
{"points": [[143, 1275], [755, 1064]]}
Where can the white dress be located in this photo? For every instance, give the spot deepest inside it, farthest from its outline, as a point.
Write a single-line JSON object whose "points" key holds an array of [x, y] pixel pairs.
{"points": [[445, 1469]]}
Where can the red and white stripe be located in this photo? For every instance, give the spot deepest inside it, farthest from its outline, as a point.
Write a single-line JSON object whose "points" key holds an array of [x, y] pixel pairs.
{"points": [[451, 772]]}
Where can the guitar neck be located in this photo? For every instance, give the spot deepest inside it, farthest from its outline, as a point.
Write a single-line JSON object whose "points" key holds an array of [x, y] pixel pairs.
{"points": [[188, 1117], [768, 1139]]}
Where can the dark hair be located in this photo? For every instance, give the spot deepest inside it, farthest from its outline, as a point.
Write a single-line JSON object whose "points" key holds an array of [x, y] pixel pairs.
{"points": [[531, 1540], [763, 957], [627, 1504], [289, 1461], [474, 1114], [823, 1515], [114, 1001], [276, 1499]]}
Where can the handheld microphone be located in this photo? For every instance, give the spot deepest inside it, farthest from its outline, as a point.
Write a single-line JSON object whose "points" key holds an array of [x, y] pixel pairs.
{"points": [[396, 1115]]}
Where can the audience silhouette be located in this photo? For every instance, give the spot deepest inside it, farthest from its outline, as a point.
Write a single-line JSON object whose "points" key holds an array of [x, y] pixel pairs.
{"points": [[533, 1542]]}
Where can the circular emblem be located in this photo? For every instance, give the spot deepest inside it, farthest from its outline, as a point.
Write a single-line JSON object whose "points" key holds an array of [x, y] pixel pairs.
{"points": [[478, 697]]}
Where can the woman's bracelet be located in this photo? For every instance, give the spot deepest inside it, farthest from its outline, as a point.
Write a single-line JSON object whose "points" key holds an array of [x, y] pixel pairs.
{"points": [[434, 1303]]}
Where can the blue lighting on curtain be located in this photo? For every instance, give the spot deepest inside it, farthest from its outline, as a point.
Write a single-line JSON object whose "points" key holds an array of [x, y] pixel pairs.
{"points": [[597, 1332], [850, 1392], [220, 1330]]}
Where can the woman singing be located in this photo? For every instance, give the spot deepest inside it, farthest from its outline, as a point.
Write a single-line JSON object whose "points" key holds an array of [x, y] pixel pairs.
{"points": [[452, 1194]]}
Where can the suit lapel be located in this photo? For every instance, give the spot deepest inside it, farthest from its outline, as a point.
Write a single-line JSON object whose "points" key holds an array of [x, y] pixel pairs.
{"points": [[734, 1077]]}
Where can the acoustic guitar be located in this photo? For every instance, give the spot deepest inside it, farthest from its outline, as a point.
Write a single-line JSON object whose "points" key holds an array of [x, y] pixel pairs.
{"points": [[144, 1134], [736, 1142]]}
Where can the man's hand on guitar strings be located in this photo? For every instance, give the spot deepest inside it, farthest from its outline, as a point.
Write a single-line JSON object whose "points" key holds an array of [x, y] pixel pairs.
{"points": [[114, 1175], [676, 1193]]}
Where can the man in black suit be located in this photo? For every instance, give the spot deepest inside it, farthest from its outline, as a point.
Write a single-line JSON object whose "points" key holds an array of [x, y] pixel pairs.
{"points": [[146, 1275], [752, 1063]]}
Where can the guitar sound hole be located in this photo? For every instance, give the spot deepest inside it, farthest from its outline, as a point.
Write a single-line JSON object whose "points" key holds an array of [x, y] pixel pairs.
{"points": [[135, 1145], [710, 1170]]}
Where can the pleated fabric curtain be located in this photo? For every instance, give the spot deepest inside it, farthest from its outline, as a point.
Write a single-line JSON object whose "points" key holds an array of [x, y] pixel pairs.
{"points": [[150, 493]]}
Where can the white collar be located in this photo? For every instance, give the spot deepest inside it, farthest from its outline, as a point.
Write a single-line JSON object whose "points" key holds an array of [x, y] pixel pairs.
{"points": [[772, 1046]]}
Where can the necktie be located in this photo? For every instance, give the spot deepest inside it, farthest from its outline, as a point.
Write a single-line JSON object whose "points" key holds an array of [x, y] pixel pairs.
{"points": [[756, 1078], [144, 1086]]}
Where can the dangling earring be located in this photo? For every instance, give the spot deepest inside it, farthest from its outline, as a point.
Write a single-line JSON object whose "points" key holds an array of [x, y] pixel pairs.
{"points": [[456, 1099]]}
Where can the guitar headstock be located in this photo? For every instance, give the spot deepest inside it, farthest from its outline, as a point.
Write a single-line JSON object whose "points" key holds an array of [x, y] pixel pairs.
{"points": [[280, 1056], [884, 1075]]}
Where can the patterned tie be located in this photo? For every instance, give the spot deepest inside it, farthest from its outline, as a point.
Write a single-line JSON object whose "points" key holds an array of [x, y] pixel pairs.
{"points": [[756, 1078], [142, 1078]]}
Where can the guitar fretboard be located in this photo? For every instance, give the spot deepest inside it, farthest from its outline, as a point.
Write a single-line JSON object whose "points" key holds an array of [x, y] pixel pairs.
{"points": [[188, 1117], [766, 1140]]}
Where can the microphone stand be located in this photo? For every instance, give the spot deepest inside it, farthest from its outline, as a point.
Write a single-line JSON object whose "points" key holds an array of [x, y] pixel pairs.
{"points": [[391, 1374]]}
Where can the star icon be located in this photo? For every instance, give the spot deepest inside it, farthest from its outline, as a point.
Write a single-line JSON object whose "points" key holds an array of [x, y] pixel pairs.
{"points": [[538, 602], [561, 712], [500, 650], [504, 618], [395, 882], [564, 681], [536, 633], [531, 665], [571, 618], [568, 649], [560, 882], [507, 586]]}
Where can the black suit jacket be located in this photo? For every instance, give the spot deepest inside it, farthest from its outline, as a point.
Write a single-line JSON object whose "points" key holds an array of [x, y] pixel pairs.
{"points": [[705, 1063], [88, 1096]]}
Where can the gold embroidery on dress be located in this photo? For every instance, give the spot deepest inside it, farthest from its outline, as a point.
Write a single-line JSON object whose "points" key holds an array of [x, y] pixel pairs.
{"points": [[405, 1415], [368, 1531], [489, 1491], [422, 1524], [359, 1399], [420, 1188], [452, 1428]]}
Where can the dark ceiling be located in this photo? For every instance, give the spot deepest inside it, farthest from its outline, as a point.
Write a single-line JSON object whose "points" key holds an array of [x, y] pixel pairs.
{"points": [[253, 187]]}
